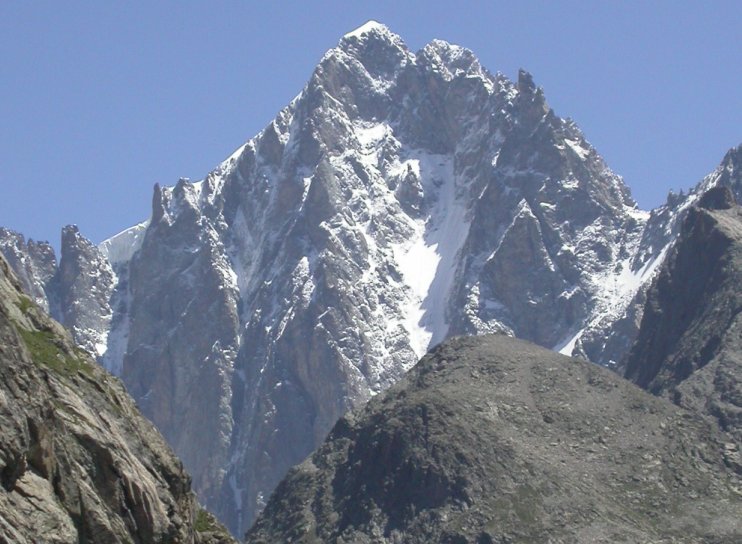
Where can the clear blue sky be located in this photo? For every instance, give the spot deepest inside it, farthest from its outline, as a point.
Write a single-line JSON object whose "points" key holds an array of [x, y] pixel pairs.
{"points": [[99, 100]]}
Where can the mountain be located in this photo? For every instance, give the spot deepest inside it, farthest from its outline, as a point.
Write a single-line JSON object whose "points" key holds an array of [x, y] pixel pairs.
{"points": [[689, 346], [399, 199], [491, 439], [78, 462]]}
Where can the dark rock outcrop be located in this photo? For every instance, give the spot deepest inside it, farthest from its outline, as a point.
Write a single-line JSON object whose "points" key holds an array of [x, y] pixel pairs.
{"points": [[78, 462], [717, 198], [492, 439], [689, 346]]}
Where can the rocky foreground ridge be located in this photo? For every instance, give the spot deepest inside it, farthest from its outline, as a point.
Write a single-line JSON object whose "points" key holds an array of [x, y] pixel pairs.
{"points": [[78, 462], [491, 439]]}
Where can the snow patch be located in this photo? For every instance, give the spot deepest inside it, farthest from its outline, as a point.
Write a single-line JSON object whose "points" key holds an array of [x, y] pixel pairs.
{"points": [[570, 183], [117, 341], [121, 247], [567, 346], [577, 148], [370, 134], [428, 261], [417, 262]]}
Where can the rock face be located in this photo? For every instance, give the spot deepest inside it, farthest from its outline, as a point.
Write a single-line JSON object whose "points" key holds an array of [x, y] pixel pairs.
{"points": [[401, 198], [78, 462], [86, 285], [182, 340], [490, 439], [689, 347]]}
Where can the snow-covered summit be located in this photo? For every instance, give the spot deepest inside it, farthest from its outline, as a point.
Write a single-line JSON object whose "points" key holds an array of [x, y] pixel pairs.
{"points": [[369, 27], [377, 49]]}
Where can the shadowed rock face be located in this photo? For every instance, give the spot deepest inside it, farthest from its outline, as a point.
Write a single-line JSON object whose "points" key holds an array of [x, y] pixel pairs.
{"points": [[689, 347], [717, 198], [78, 462], [492, 439]]}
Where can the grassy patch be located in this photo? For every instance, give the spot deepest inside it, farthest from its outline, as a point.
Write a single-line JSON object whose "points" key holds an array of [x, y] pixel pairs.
{"points": [[45, 351], [202, 521], [24, 303], [205, 522]]}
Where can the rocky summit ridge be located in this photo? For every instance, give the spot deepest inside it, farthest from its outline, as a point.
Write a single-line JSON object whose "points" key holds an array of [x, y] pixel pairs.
{"points": [[401, 198]]}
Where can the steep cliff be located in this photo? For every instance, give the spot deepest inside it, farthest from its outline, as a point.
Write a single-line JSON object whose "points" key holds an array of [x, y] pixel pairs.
{"points": [[78, 462], [400, 198]]}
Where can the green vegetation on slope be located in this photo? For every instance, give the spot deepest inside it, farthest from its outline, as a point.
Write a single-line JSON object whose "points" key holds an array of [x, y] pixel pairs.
{"points": [[45, 351], [206, 523], [24, 303]]}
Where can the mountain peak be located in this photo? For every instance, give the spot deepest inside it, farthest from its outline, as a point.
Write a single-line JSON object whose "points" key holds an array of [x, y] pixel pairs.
{"points": [[371, 56], [369, 33], [450, 60], [368, 27], [388, 161]]}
